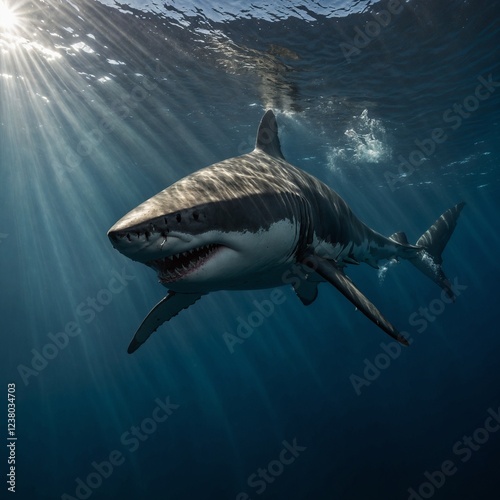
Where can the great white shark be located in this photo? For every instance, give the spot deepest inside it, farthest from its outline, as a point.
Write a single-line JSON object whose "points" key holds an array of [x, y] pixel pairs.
{"points": [[255, 221]]}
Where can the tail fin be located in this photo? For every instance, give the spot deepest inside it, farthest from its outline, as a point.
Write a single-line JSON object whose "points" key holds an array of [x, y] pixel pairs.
{"points": [[433, 242]]}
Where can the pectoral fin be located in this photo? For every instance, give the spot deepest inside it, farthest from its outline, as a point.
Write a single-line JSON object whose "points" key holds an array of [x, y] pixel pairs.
{"points": [[306, 291], [166, 309], [328, 270]]}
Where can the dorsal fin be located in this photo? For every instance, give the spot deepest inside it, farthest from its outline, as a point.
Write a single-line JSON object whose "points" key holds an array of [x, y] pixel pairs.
{"points": [[267, 136]]}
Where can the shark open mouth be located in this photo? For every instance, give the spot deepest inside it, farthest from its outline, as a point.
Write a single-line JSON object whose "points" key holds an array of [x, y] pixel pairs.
{"points": [[178, 266]]}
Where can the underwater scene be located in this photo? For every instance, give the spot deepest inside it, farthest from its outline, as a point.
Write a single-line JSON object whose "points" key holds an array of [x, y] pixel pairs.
{"points": [[314, 317]]}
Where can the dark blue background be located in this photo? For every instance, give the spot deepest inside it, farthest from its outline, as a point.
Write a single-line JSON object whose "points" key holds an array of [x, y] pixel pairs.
{"points": [[89, 131]]}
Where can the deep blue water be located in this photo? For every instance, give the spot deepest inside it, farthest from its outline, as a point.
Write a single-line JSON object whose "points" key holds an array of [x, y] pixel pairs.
{"points": [[102, 105]]}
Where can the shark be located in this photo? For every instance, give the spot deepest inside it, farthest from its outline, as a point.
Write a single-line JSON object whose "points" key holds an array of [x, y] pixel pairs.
{"points": [[255, 221]]}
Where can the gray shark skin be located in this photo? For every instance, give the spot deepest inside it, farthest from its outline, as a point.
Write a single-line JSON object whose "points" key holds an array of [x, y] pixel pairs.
{"points": [[255, 221]]}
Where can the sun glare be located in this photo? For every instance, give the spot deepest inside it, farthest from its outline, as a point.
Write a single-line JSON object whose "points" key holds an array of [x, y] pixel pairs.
{"points": [[8, 18]]}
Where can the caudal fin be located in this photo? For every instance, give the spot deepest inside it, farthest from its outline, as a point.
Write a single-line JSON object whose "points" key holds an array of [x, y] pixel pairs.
{"points": [[433, 242]]}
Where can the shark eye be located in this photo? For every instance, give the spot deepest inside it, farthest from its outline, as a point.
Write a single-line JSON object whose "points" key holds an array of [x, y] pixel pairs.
{"points": [[196, 215], [178, 217]]}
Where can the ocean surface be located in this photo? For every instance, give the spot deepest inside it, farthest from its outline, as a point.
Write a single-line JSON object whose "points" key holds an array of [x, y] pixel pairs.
{"points": [[395, 105]]}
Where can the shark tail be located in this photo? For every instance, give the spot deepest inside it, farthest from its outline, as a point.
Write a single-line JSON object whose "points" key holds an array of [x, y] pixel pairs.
{"points": [[432, 243]]}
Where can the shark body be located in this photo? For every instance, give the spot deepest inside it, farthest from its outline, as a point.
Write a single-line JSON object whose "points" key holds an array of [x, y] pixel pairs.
{"points": [[255, 221]]}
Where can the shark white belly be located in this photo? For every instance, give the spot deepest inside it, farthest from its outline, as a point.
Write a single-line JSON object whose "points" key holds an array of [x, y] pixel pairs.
{"points": [[247, 222]]}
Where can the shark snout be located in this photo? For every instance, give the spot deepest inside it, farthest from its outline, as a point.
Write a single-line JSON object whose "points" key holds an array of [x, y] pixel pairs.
{"points": [[114, 236], [146, 243], [130, 244], [139, 243]]}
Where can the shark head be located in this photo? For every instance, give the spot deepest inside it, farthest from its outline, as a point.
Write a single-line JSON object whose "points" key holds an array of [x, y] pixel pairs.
{"points": [[212, 231], [172, 236]]}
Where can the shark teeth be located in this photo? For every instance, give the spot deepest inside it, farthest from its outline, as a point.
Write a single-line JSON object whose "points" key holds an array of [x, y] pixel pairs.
{"points": [[175, 267]]}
